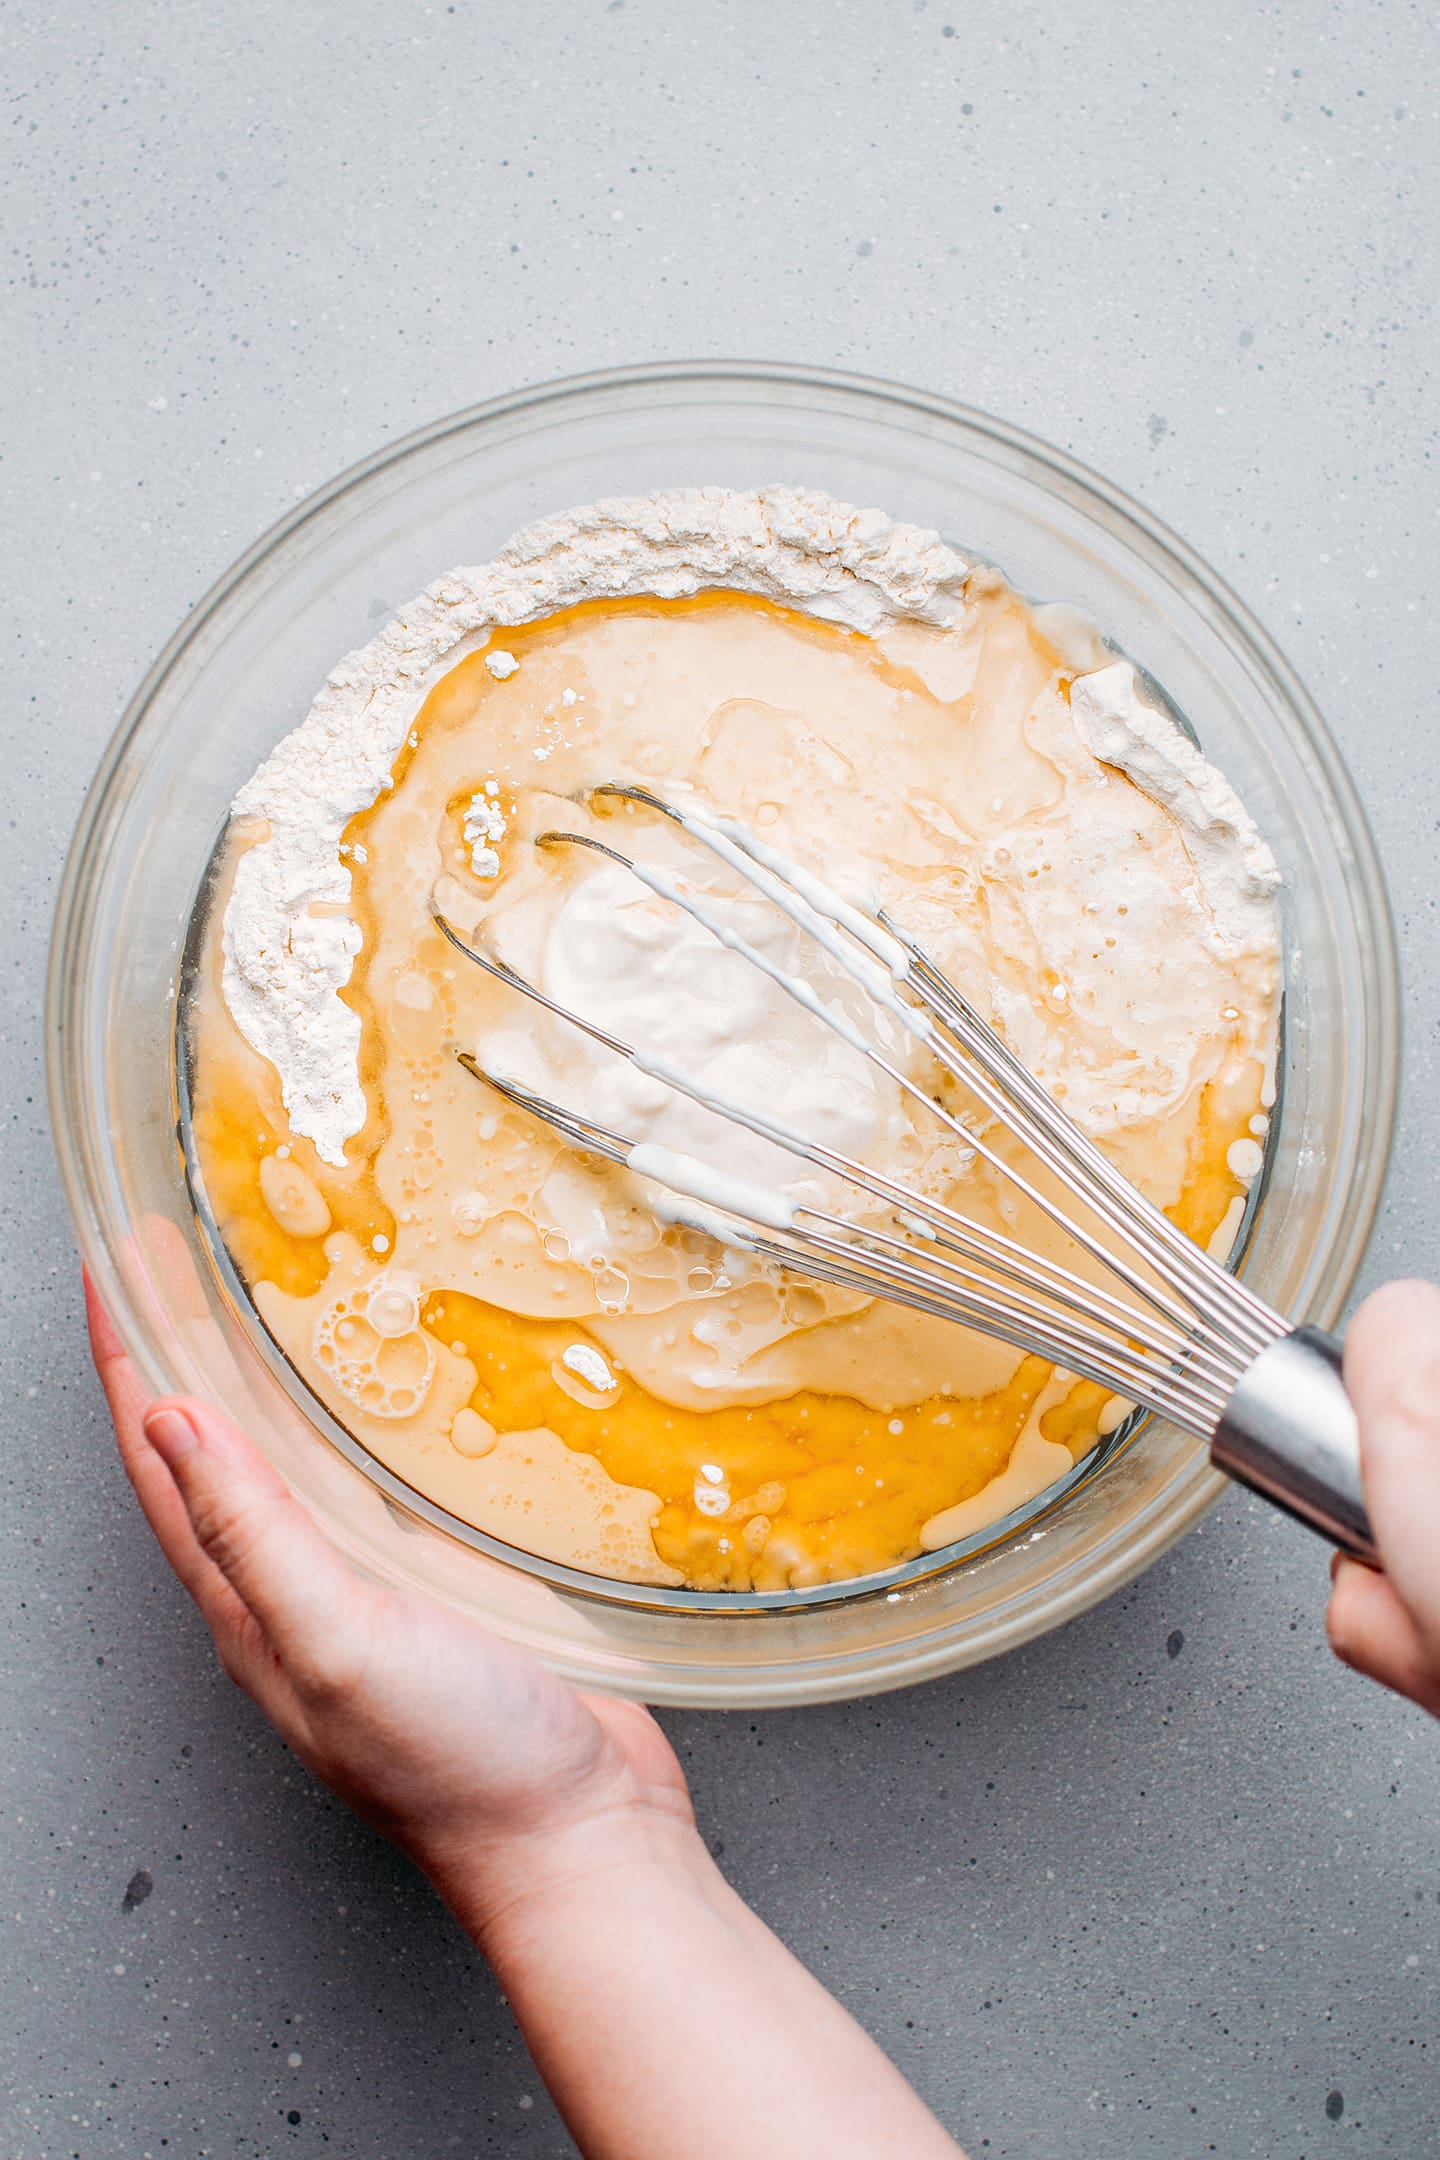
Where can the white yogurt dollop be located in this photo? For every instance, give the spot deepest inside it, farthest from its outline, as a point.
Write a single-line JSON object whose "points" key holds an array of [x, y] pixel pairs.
{"points": [[641, 968]]}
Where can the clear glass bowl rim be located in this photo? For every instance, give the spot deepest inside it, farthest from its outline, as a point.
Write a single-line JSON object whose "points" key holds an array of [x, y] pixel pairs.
{"points": [[1378, 1079]]}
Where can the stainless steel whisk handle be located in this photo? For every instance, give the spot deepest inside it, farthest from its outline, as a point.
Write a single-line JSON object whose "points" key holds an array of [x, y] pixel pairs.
{"points": [[1289, 1431]]}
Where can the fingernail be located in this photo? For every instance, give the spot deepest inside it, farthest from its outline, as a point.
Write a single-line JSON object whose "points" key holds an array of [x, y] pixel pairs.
{"points": [[170, 1433]]}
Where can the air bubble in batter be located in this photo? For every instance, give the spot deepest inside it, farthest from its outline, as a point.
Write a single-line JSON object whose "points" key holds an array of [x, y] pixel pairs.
{"points": [[369, 1342]]}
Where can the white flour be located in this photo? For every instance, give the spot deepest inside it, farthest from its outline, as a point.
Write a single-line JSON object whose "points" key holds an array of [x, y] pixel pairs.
{"points": [[1236, 869], [289, 943], [485, 828]]}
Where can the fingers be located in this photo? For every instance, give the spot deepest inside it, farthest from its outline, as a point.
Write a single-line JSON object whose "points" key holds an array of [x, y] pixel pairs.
{"points": [[252, 1529], [1392, 1371], [1372, 1631], [156, 1490], [272, 1590]]}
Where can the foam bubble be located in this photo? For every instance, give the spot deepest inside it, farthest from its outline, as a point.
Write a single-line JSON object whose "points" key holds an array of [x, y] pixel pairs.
{"points": [[370, 1344]]}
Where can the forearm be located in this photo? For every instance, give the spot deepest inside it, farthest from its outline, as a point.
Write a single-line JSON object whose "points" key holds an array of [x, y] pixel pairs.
{"points": [[665, 2017]]}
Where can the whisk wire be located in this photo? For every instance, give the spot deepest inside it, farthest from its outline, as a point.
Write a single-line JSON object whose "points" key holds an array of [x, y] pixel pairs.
{"points": [[822, 1246], [1164, 1244], [1192, 1329], [919, 1023], [1226, 1304], [945, 1227]]}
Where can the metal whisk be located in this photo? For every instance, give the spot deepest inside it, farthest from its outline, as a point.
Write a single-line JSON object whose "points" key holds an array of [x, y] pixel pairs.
{"points": [[1175, 1331]]}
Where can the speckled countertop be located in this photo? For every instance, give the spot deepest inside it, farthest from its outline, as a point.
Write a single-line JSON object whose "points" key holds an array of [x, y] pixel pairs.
{"points": [[1164, 1884]]}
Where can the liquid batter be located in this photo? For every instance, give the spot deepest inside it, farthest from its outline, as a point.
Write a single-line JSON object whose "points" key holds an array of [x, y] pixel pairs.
{"points": [[508, 1325]]}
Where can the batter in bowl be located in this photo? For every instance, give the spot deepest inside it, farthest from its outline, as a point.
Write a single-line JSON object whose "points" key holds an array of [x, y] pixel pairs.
{"points": [[514, 1329]]}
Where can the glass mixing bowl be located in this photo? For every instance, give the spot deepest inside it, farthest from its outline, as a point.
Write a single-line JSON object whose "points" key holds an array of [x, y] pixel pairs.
{"points": [[243, 670]]}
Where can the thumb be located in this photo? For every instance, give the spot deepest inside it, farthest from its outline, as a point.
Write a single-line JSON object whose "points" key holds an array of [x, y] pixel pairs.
{"points": [[254, 1530], [1392, 1370]]}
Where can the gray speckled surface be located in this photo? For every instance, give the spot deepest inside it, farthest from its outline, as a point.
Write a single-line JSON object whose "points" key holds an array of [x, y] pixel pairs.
{"points": [[1123, 1894]]}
